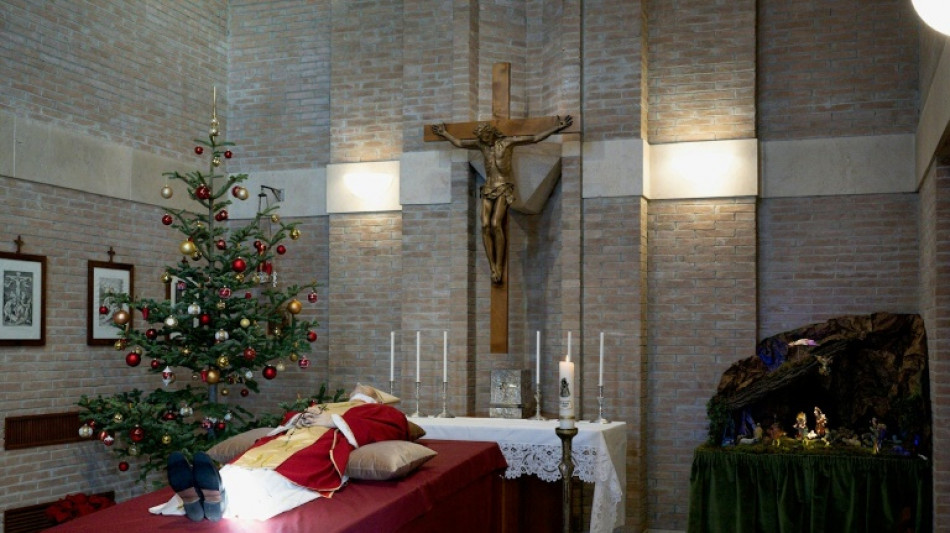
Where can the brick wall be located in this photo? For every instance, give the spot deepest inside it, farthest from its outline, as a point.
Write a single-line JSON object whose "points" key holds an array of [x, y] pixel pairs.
{"points": [[71, 228], [365, 293], [613, 292], [134, 76], [701, 64], [701, 314], [829, 69], [934, 239], [366, 62], [279, 83], [822, 257], [611, 70]]}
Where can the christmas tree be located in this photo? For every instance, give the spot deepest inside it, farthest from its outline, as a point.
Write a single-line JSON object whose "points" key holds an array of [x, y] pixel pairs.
{"points": [[227, 325]]}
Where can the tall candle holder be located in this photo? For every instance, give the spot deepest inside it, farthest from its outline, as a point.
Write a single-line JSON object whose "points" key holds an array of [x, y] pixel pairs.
{"points": [[537, 405], [417, 414], [566, 468], [445, 395], [600, 406]]}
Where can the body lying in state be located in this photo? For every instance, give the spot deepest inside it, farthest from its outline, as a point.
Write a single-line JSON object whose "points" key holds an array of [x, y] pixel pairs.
{"points": [[303, 459]]}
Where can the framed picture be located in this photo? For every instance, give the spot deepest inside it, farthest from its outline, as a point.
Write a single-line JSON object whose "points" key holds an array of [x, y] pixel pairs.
{"points": [[23, 300], [105, 280]]}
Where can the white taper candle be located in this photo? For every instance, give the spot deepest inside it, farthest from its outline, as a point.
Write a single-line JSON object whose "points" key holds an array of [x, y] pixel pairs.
{"points": [[600, 379], [445, 357], [418, 375]]}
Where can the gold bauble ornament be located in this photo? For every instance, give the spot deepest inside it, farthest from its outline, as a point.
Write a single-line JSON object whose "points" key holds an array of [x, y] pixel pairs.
{"points": [[224, 391], [119, 345], [166, 439], [245, 323], [121, 317], [216, 162], [242, 193], [186, 351], [277, 332], [199, 225], [213, 132], [293, 357], [239, 277], [223, 361], [138, 350], [294, 306], [294, 234], [280, 366], [133, 450], [167, 192], [196, 255], [117, 418], [275, 218], [171, 321], [213, 376], [221, 305], [187, 247], [166, 277]]}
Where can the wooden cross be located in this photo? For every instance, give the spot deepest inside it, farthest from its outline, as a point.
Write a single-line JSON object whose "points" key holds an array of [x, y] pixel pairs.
{"points": [[501, 111]]}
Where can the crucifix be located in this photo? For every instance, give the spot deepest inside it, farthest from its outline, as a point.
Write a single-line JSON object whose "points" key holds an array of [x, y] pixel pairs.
{"points": [[496, 140]]}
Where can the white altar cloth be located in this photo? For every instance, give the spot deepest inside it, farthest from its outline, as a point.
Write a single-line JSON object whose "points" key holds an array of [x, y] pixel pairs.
{"points": [[533, 448]]}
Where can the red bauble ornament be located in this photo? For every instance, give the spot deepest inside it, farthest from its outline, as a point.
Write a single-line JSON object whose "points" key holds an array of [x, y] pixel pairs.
{"points": [[281, 249], [257, 245], [155, 364], [123, 466], [228, 154], [203, 192], [245, 392], [167, 220], [239, 265], [133, 359], [204, 319], [236, 191], [311, 336], [221, 215], [145, 313], [250, 353], [220, 426], [269, 372], [312, 297], [224, 293], [137, 434], [151, 334], [248, 296], [103, 310], [221, 244], [169, 415], [199, 150]]}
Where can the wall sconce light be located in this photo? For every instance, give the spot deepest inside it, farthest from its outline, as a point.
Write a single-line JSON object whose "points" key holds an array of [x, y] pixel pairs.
{"points": [[935, 13], [368, 185]]}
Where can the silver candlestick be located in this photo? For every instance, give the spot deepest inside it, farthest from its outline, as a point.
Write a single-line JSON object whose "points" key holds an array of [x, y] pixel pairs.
{"points": [[445, 394], [600, 407], [537, 404], [417, 414]]}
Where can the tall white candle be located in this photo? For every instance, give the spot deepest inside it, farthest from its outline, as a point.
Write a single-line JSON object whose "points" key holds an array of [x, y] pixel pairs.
{"points": [[566, 393], [537, 356], [568, 345], [600, 380], [392, 356], [418, 374], [445, 357]]}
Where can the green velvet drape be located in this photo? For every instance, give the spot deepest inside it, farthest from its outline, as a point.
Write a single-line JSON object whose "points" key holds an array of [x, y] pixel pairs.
{"points": [[735, 492]]}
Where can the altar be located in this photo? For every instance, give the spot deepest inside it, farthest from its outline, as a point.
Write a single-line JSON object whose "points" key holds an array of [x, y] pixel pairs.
{"points": [[532, 448]]}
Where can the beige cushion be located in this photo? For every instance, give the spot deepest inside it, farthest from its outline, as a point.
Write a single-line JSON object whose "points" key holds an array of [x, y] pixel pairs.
{"points": [[415, 431], [228, 449], [389, 459]]}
